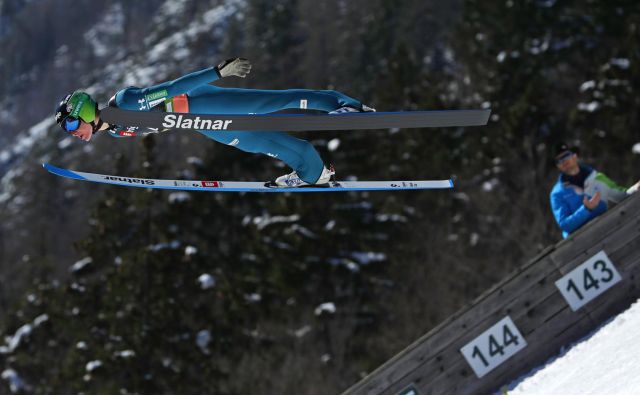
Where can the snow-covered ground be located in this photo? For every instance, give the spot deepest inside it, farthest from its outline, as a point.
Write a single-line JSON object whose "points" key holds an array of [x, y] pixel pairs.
{"points": [[606, 362]]}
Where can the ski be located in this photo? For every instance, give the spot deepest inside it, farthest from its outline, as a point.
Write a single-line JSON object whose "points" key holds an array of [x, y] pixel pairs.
{"points": [[295, 122], [242, 186]]}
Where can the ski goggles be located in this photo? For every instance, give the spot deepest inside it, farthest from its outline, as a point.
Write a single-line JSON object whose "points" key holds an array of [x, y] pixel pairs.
{"points": [[70, 124], [564, 157]]}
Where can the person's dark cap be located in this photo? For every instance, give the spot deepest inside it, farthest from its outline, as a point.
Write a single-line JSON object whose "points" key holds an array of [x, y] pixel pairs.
{"points": [[563, 147]]}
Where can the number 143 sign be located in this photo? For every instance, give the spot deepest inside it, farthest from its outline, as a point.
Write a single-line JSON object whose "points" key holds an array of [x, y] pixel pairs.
{"points": [[589, 280]]}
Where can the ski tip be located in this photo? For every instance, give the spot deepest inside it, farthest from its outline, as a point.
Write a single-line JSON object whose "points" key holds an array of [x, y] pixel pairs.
{"points": [[50, 168], [450, 182], [61, 172]]}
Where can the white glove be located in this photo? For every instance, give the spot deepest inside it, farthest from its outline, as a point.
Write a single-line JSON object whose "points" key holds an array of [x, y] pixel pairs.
{"points": [[235, 66]]}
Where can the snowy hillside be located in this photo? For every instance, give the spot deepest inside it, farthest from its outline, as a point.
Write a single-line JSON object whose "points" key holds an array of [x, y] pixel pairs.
{"points": [[606, 362]]}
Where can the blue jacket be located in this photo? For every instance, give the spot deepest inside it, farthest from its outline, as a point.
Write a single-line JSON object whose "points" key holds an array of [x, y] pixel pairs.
{"points": [[145, 99], [567, 207]]}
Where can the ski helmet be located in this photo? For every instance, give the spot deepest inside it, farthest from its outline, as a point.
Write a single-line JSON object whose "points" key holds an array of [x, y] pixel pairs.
{"points": [[75, 107]]}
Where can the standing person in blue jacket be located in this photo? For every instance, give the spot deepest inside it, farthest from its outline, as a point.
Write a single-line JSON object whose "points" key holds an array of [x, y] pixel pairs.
{"points": [[78, 115], [581, 193]]}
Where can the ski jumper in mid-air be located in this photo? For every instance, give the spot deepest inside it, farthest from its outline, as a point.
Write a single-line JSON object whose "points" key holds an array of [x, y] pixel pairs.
{"points": [[78, 115]]}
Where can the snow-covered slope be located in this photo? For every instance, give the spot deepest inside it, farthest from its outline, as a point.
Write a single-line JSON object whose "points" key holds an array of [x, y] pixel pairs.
{"points": [[606, 362]]}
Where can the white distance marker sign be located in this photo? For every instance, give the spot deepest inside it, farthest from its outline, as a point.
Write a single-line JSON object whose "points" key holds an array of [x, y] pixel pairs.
{"points": [[410, 390], [493, 347], [588, 281]]}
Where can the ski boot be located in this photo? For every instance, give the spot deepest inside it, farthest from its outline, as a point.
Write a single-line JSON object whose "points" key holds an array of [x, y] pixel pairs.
{"points": [[347, 109], [292, 180]]}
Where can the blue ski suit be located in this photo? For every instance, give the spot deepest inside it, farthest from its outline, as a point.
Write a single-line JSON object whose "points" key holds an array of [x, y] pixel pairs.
{"points": [[203, 98]]}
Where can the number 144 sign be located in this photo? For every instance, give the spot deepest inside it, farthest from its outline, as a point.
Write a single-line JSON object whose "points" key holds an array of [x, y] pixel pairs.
{"points": [[493, 347], [588, 281]]}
